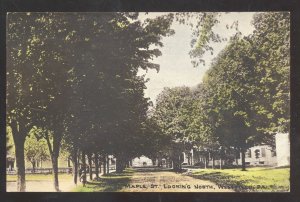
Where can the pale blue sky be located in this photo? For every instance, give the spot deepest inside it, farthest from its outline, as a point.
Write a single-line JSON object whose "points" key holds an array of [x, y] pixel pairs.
{"points": [[175, 63]]}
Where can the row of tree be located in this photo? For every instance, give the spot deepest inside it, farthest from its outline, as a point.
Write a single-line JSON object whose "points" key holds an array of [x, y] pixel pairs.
{"points": [[243, 99], [72, 80]]}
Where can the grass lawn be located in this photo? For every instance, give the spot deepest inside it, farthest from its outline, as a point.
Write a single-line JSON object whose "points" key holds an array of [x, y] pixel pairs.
{"points": [[35, 177], [109, 183], [254, 179]]}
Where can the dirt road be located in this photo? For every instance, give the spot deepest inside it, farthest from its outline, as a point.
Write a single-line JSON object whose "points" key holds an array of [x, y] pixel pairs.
{"points": [[166, 181]]}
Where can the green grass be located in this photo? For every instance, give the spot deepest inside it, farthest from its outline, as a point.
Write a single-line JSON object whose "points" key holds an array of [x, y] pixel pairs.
{"points": [[110, 183], [252, 180], [36, 177]]}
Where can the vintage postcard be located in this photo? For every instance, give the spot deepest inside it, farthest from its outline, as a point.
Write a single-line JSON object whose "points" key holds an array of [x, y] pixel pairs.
{"points": [[148, 102]]}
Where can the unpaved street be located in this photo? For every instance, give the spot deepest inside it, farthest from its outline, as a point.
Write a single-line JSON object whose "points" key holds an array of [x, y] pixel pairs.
{"points": [[166, 181]]}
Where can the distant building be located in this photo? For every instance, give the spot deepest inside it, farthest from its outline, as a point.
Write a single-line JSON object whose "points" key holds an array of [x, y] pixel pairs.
{"points": [[259, 155], [142, 161], [283, 149]]}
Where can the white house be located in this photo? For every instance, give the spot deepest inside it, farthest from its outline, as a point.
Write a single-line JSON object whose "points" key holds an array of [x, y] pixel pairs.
{"points": [[141, 161], [260, 155], [283, 149]]}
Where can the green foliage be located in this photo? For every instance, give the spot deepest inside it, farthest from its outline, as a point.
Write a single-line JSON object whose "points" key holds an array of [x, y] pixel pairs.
{"points": [[201, 24], [248, 80], [73, 76], [271, 39], [36, 149], [201, 126], [9, 140], [242, 100], [230, 83], [171, 112]]}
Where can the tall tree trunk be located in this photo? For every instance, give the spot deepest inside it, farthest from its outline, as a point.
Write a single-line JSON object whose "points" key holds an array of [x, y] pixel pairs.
{"points": [[176, 162], [20, 164], [209, 157], [56, 147], [213, 162], [75, 166], [104, 164], [33, 166], [119, 164], [19, 134], [153, 160], [107, 162], [159, 161], [221, 157], [83, 165], [54, 153], [96, 165], [237, 156], [90, 165], [54, 159], [192, 157], [243, 159], [100, 164]]}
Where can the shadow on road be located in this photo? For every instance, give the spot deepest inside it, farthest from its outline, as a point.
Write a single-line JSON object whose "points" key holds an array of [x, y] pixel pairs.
{"points": [[151, 169], [112, 182], [109, 184]]}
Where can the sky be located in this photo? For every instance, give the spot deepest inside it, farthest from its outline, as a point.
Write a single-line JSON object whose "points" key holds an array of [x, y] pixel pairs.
{"points": [[176, 68]]}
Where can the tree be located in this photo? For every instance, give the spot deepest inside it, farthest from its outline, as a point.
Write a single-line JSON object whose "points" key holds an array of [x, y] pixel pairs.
{"points": [[231, 82], [115, 101], [20, 79], [35, 149], [36, 79], [239, 78], [201, 124], [151, 132], [171, 113], [271, 40]]}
